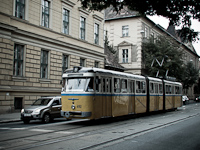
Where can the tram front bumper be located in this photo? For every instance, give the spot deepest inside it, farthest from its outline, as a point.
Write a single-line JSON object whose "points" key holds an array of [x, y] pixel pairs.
{"points": [[75, 114]]}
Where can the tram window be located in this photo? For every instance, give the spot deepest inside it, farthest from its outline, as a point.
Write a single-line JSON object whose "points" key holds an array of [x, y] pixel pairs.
{"points": [[116, 85], [132, 87], [160, 88], [177, 90], [143, 87], [180, 90], [156, 88], [151, 88], [63, 84], [140, 87], [108, 85], [124, 86], [90, 87], [103, 85], [172, 90], [76, 84], [97, 84], [168, 89]]}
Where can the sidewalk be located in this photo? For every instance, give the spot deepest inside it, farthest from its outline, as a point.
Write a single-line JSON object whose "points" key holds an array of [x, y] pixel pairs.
{"points": [[9, 117]]}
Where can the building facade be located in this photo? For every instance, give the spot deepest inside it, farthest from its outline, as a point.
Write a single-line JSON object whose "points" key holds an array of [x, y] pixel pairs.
{"points": [[39, 39], [126, 31]]}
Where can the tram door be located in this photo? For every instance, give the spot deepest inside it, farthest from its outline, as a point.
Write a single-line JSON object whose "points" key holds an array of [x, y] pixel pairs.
{"points": [[131, 106], [173, 97], [156, 97], [107, 97]]}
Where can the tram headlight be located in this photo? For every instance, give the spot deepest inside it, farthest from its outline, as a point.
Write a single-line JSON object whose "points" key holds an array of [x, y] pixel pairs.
{"points": [[73, 107]]}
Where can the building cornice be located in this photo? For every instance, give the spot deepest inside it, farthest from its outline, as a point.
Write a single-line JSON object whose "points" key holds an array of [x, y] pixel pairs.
{"points": [[68, 2]]}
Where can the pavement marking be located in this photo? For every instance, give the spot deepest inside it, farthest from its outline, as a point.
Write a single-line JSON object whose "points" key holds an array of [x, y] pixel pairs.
{"points": [[12, 128], [17, 128], [5, 128], [41, 130], [64, 132]]}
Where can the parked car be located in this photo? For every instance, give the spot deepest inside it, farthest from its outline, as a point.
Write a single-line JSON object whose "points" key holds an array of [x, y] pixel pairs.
{"points": [[197, 99], [44, 108], [185, 99]]}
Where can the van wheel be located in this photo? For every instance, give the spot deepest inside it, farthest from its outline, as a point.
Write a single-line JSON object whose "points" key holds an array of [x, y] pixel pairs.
{"points": [[26, 121], [46, 118]]}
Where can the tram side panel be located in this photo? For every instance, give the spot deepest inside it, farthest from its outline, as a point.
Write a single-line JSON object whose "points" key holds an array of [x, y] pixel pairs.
{"points": [[140, 97], [107, 105], [102, 106], [119, 105], [131, 89], [169, 103], [178, 101], [155, 97], [131, 105], [178, 98], [97, 106]]}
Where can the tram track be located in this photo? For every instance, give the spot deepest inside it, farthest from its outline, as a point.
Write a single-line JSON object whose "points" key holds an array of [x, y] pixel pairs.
{"points": [[55, 140], [103, 144], [70, 136], [93, 132]]}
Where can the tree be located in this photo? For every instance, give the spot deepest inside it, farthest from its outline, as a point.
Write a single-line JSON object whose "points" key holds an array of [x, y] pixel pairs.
{"points": [[111, 57], [177, 11], [197, 88], [162, 49], [190, 75], [170, 53]]}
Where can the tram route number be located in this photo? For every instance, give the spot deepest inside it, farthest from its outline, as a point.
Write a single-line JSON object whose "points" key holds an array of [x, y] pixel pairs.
{"points": [[79, 106]]}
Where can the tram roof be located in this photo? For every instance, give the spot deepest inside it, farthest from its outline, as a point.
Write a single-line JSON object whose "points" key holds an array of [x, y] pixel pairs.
{"points": [[154, 79], [172, 82], [105, 71]]}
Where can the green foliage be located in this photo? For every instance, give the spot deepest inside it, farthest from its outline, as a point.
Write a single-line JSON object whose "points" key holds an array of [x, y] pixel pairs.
{"points": [[109, 47], [162, 49], [197, 88], [177, 11], [190, 75]]}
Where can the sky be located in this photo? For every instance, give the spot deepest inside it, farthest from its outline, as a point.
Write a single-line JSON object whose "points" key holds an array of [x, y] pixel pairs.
{"points": [[164, 22]]}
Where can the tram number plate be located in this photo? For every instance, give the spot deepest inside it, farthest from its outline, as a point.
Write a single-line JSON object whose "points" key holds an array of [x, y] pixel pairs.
{"points": [[79, 106], [27, 115]]}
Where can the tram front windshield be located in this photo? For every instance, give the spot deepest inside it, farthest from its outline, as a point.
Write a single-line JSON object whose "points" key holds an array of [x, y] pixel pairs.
{"points": [[78, 84]]}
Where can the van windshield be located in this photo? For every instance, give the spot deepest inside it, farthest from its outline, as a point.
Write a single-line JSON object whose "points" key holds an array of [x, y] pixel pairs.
{"points": [[41, 102]]}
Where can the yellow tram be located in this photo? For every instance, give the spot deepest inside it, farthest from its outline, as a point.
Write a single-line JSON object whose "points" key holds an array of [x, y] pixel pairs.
{"points": [[93, 93]]}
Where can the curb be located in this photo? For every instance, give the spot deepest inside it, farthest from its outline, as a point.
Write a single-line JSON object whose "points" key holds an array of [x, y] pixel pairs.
{"points": [[13, 120]]}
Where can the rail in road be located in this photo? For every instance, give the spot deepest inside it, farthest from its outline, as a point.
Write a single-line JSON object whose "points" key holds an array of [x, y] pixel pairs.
{"points": [[96, 134]]}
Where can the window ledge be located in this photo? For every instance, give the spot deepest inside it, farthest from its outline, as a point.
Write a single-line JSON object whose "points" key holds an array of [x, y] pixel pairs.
{"points": [[45, 81], [22, 79], [125, 36]]}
